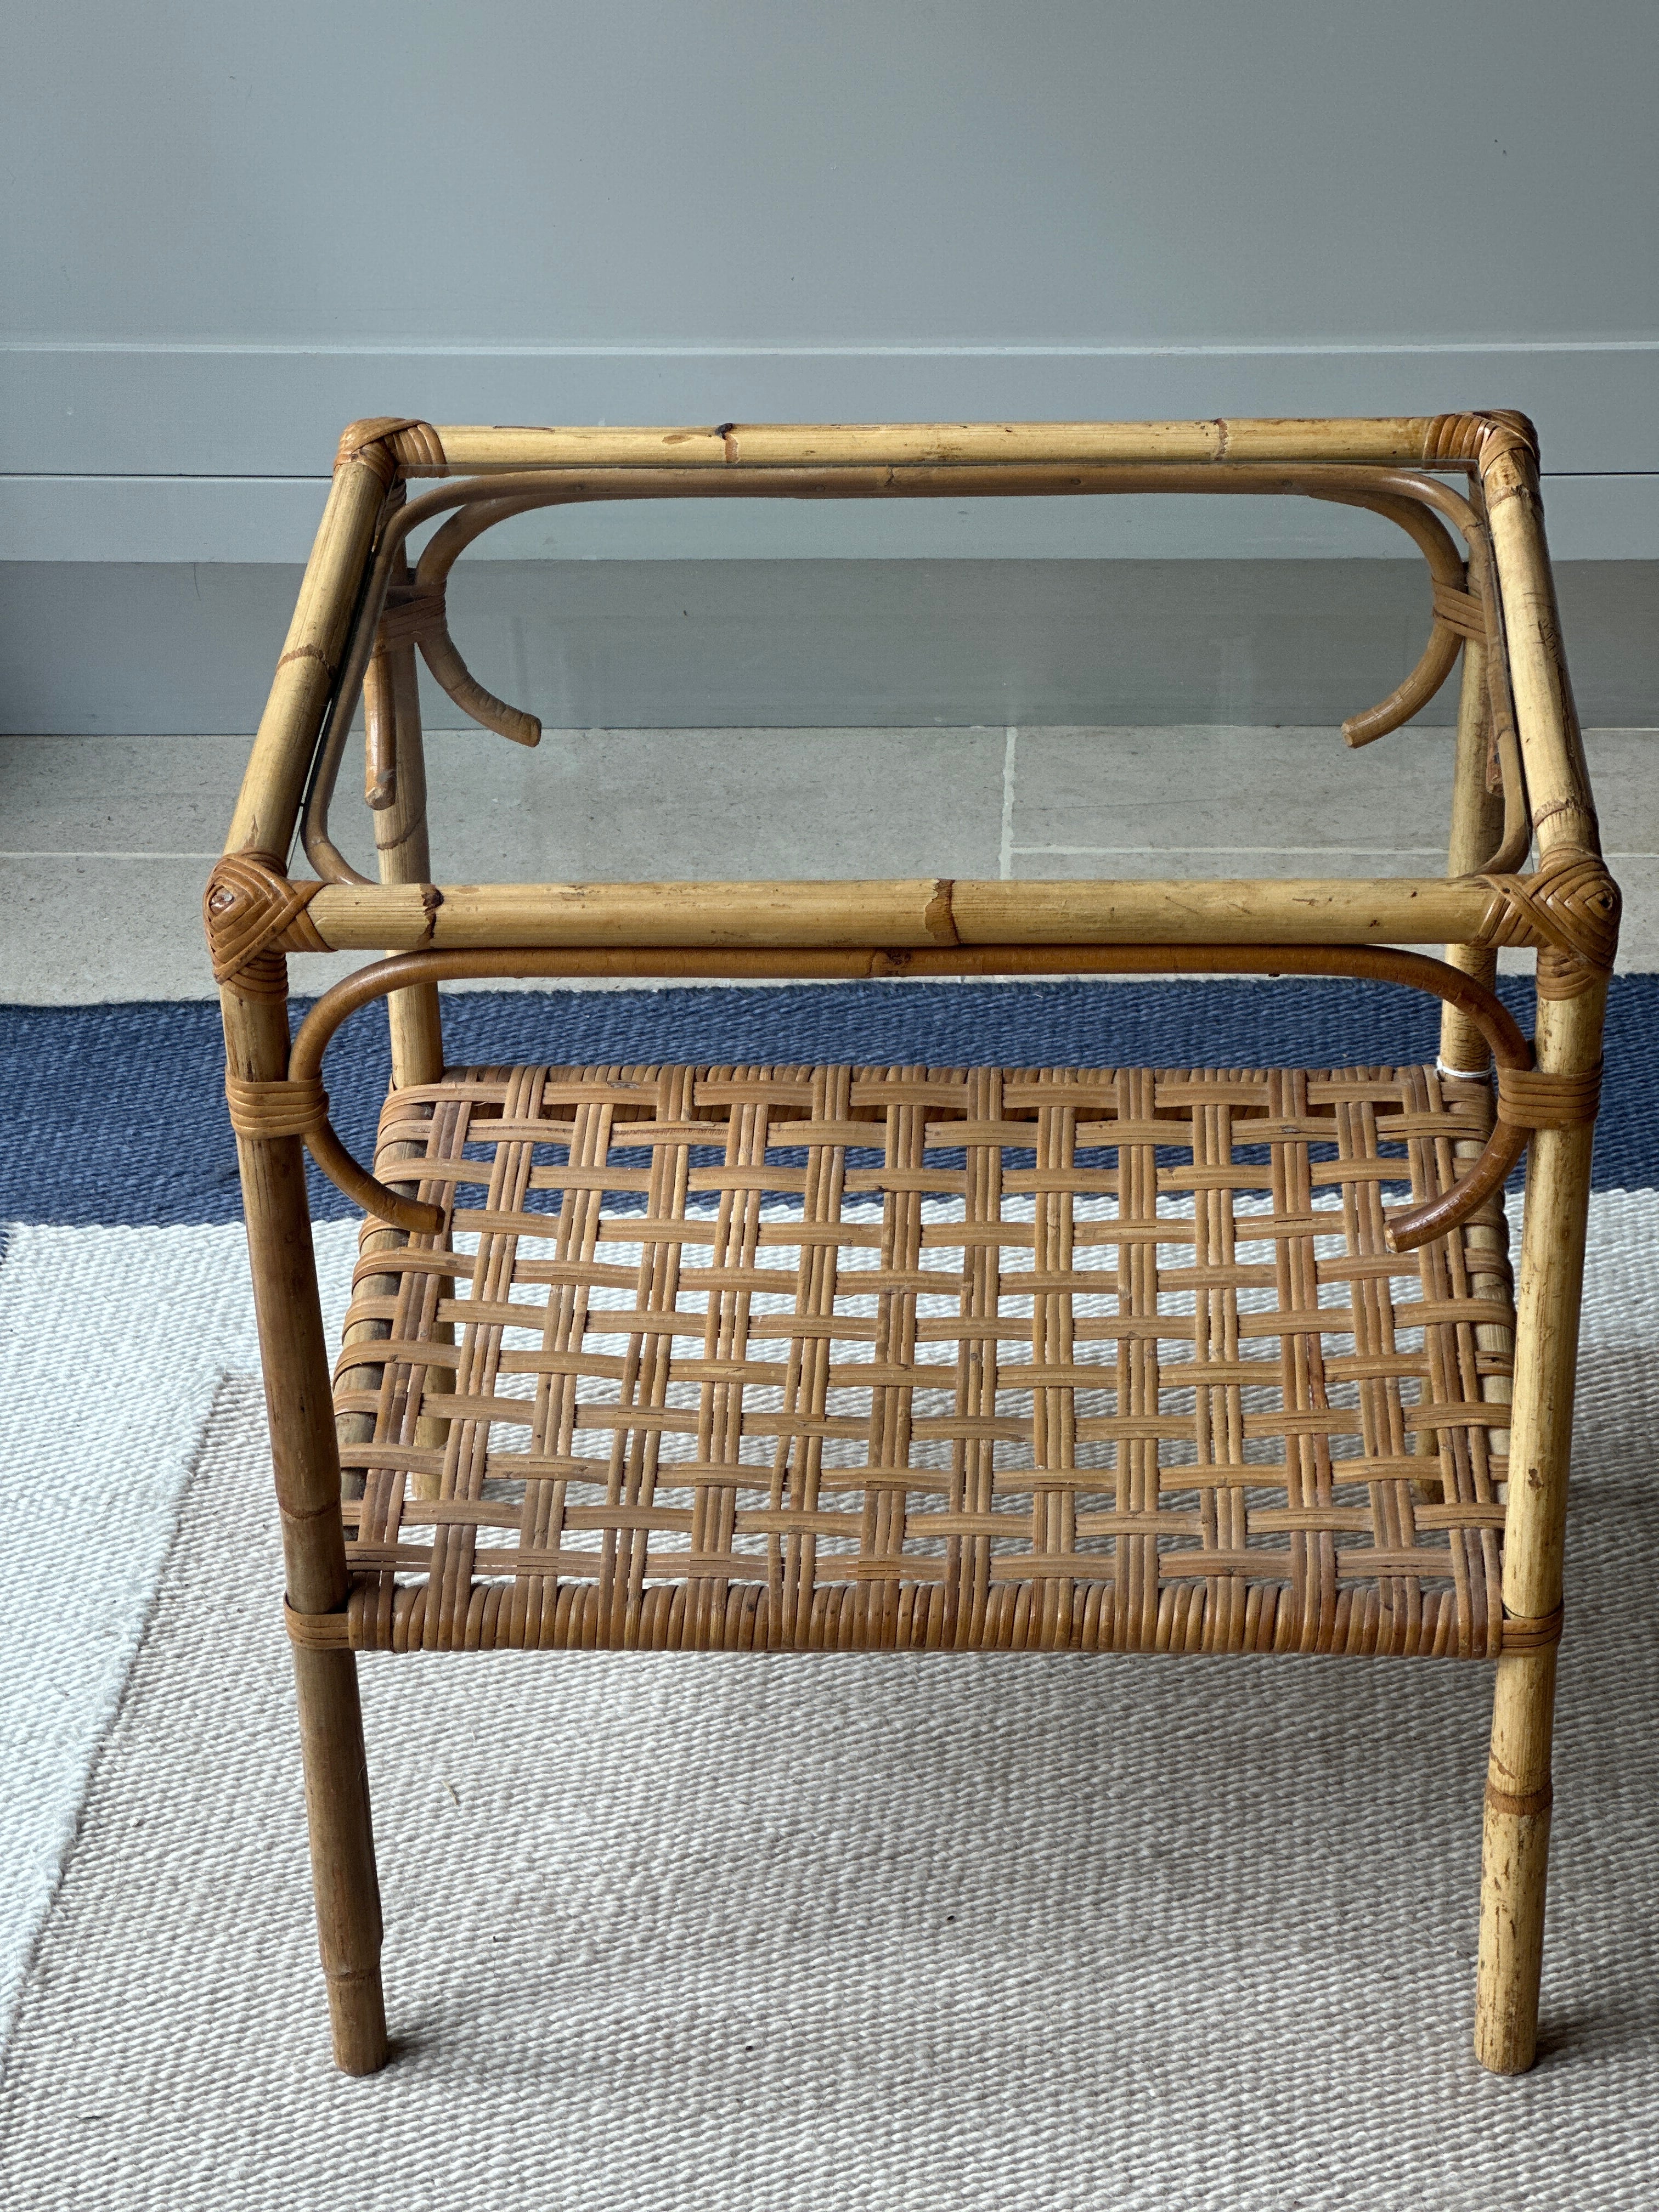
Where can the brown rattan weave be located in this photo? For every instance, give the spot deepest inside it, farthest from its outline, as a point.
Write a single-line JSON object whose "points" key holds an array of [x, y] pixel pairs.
{"points": [[833, 1358], [916, 1359]]}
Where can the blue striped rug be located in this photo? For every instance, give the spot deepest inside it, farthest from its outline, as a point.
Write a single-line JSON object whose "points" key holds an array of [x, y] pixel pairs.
{"points": [[115, 1114], [131, 1419]]}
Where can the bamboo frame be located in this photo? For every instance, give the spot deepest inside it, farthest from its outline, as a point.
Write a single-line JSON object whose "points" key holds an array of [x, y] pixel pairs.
{"points": [[363, 613]]}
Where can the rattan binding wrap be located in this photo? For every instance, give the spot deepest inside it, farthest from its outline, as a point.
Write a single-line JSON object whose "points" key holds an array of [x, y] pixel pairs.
{"points": [[1482, 438], [254, 915], [1539, 1633], [389, 443], [933, 1359], [1570, 908], [1460, 610], [412, 614], [285, 1108], [1529, 1099]]}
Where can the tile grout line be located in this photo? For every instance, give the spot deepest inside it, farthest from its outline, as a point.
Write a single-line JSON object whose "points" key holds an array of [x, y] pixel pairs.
{"points": [[1395, 852], [1006, 850], [60, 852], [1009, 850]]}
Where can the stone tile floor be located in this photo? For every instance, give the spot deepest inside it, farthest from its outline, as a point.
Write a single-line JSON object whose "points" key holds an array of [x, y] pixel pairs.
{"points": [[106, 842]]}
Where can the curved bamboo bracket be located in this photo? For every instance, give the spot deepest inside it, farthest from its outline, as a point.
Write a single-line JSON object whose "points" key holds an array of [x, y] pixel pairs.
{"points": [[1466, 610], [1456, 614], [417, 614], [438, 647], [1536, 1100]]}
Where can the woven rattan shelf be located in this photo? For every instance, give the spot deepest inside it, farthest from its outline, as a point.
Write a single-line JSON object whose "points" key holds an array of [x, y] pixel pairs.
{"points": [[794, 1359], [934, 1359]]}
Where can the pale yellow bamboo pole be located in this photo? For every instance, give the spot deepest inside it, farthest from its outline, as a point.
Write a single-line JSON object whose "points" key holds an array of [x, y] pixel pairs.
{"points": [[1516, 1854], [392, 695], [1515, 1862], [923, 913], [1517, 1819], [1557, 777], [1477, 824], [1516, 1850], [1393, 441], [267, 805], [402, 848], [305, 1463]]}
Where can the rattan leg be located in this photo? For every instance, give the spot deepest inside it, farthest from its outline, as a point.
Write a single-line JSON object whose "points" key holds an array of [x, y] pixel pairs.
{"points": [[1517, 1814], [1515, 1861], [1477, 822], [305, 1460], [343, 1872], [403, 851]]}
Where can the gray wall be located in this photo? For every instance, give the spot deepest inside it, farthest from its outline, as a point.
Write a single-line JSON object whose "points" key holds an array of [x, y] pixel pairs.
{"points": [[231, 230]]}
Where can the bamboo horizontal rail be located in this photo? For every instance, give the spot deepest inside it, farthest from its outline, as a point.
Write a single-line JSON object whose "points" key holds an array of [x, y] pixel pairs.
{"points": [[1006, 479], [1440, 440], [895, 915]]}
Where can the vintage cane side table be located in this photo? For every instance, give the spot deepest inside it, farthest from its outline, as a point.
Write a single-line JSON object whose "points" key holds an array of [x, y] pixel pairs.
{"points": [[803, 1358]]}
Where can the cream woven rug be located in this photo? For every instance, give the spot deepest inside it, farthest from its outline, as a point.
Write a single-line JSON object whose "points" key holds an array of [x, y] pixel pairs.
{"points": [[700, 1930]]}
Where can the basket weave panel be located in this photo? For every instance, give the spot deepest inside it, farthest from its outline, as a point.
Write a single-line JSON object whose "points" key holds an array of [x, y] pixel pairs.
{"points": [[832, 1358]]}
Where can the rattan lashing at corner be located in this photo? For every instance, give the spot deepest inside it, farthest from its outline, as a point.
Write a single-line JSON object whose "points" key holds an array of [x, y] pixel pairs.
{"points": [[874, 1359]]}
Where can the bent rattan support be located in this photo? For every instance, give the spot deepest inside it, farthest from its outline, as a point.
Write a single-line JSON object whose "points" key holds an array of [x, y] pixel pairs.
{"points": [[1527, 1098], [1432, 1522]]}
